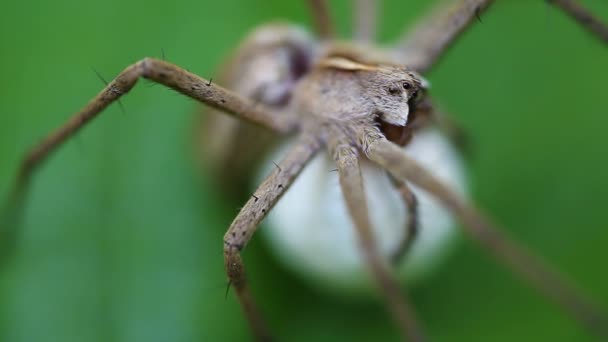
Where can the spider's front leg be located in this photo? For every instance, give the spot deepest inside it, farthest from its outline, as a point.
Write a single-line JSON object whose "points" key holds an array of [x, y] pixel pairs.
{"points": [[257, 207], [169, 75], [351, 183], [158, 71]]}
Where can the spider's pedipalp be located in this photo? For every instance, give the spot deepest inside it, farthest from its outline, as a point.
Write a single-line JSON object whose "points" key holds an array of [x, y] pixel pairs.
{"points": [[351, 183], [529, 266], [171, 76], [255, 210]]}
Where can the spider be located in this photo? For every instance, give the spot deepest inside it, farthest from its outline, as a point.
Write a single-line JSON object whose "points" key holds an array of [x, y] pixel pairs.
{"points": [[387, 90]]}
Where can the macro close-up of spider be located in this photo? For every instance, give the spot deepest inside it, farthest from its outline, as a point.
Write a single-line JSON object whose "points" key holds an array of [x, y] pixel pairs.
{"points": [[343, 140]]}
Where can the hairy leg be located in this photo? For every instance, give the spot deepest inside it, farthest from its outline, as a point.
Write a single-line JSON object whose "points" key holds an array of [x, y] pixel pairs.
{"points": [[171, 76], [245, 224], [351, 183], [159, 71], [478, 227]]}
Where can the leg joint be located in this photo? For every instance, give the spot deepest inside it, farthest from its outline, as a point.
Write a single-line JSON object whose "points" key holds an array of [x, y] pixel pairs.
{"points": [[144, 66]]}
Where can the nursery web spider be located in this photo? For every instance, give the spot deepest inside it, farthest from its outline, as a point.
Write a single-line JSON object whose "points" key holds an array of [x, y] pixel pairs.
{"points": [[361, 103]]}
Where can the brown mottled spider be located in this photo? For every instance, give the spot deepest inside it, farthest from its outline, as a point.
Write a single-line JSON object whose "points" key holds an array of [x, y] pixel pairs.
{"points": [[360, 102]]}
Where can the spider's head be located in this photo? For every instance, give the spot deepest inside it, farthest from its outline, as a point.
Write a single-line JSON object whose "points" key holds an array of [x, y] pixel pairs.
{"points": [[395, 92], [392, 90]]}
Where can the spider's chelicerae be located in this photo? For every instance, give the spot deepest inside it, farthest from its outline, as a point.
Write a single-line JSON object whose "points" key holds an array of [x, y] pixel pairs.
{"points": [[362, 104]]}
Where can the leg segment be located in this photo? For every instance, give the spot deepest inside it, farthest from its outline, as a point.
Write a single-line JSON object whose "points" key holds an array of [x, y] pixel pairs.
{"points": [[364, 20], [411, 224], [171, 76], [518, 258], [155, 70], [583, 17], [244, 225], [351, 183], [422, 48], [320, 13]]}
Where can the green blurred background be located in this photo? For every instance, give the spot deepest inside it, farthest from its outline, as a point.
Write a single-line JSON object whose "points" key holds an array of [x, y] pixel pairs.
{"points": [[122, 233]]}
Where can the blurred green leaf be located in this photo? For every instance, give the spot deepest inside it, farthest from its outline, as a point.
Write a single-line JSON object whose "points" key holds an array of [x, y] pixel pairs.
{"points": [[122, 234]]}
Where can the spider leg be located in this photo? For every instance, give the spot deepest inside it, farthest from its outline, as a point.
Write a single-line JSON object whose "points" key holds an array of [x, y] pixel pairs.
{"points": [[246, 222], [351, 183], [422, 48], [171, 76], [364, 20], [517, 257], [411, 224], [158, 71], [583, 17], [322, 19]]}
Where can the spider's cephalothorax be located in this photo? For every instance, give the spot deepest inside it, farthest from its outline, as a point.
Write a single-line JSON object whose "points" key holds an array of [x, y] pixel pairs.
{"points": [[282, 66], [340, 89], [363, 107]]}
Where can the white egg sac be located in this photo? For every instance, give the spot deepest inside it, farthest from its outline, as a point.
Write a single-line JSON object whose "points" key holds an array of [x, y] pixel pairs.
{"points": [[311, 232]]}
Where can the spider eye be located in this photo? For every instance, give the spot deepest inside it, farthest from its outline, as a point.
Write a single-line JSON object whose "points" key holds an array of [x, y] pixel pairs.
{"points": [[407, 85], [393, 90], [417, 96]]}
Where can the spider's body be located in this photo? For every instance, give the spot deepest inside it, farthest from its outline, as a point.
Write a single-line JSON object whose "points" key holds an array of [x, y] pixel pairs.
{"points": [[330, 87], [361, 107]]}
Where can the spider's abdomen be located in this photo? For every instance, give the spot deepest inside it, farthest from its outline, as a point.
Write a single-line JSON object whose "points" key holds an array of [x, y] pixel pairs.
{"points": [[265, 68], [311, 231]]}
